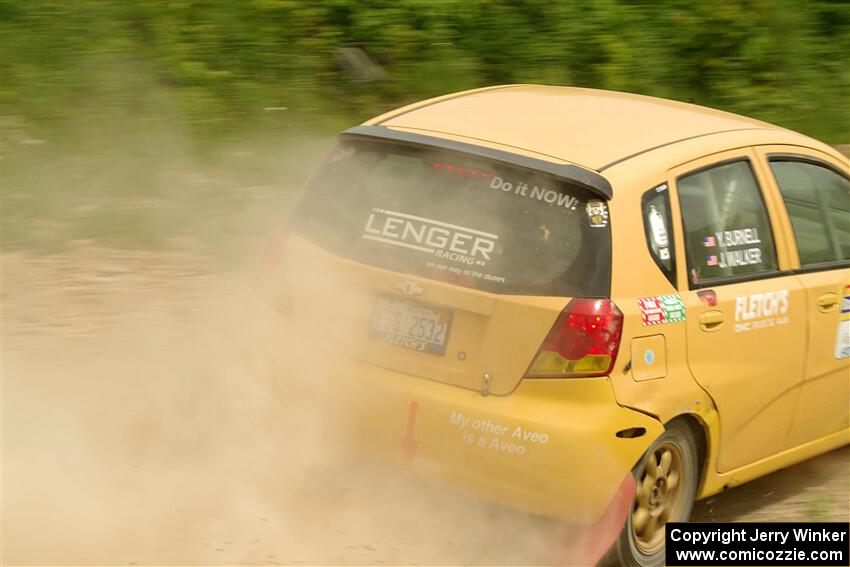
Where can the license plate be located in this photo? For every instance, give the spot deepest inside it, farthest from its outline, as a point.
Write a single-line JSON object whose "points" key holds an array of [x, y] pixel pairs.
{"points": [[411, 325]]}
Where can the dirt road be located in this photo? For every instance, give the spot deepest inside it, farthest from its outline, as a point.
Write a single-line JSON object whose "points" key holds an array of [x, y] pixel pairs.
{"points": [[138, 427]]}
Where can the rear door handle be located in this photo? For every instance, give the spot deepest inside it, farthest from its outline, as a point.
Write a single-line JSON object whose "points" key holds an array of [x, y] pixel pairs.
{"points": [[827, 302], [711, 320]]}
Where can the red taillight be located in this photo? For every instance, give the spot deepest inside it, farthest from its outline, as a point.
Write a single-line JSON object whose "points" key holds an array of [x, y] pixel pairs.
{"points": [[583, 341]]}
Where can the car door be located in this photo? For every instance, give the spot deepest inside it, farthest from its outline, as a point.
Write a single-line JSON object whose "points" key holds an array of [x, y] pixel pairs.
{"points": [[745, 311], [815, 194]]}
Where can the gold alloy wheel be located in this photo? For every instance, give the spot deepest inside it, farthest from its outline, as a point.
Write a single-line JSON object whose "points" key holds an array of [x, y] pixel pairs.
{"points": [[658, 497]]}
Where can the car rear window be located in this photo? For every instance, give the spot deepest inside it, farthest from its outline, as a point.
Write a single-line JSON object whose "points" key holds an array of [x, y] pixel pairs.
{"points": [[457, 218]]}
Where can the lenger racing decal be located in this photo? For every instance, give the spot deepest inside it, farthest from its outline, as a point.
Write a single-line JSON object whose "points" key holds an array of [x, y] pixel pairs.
{"points": [[447, 241], [661, 309]]}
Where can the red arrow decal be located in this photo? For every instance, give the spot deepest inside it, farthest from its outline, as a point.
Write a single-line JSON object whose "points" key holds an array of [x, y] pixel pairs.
{"points": [[408, 444]]}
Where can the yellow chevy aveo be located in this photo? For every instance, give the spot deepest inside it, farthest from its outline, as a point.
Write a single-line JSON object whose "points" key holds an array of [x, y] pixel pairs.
{"points": [[585, 304]]}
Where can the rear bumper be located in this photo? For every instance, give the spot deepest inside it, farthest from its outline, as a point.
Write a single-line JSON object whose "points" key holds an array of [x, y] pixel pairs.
{"points": [[549, 448]]}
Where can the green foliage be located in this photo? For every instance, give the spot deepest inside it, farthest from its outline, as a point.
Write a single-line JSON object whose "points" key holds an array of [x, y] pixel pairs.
{"points": [[215, 67]]}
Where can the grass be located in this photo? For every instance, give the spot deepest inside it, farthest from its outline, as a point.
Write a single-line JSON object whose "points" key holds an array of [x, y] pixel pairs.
{"points": [[818, 509]]}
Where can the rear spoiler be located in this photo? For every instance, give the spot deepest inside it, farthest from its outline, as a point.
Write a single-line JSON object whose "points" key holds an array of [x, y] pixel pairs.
{"points": [[567, 172]]}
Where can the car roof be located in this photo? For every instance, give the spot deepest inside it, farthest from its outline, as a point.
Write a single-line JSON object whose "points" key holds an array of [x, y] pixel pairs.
{"points": [[588, 127]]}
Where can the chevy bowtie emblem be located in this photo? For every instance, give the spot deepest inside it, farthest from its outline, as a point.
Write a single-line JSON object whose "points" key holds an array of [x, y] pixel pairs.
{"points": [[410, 288]]}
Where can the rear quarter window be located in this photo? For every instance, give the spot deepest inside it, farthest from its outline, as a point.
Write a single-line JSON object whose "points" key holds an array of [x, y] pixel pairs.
{"points": [[657, 224]]}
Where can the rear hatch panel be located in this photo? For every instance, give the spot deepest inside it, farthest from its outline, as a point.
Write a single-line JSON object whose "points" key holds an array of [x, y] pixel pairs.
{"points": [[443, 265]]}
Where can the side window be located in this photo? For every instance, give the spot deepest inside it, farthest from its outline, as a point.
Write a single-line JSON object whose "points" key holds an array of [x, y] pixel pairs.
{"points": [[657, 224], [818, 203], [727, 230]]}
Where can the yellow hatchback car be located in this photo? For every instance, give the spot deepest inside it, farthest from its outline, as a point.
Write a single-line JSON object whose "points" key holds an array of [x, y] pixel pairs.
{"points": [[562, 299]]}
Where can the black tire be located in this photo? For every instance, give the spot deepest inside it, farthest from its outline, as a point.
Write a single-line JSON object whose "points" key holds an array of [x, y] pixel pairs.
{"points": [[656, 503]]}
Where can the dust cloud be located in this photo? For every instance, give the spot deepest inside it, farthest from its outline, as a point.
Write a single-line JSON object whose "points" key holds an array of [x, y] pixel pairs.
{"points": [[156, 407], [184, 438]]}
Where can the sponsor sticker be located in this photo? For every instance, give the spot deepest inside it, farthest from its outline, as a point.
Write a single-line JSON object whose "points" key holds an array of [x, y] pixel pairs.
{"points": [[450, 242], [597, 213], [661, 309], [842, 340], [761, 310], [842, 333], [658, 227]]}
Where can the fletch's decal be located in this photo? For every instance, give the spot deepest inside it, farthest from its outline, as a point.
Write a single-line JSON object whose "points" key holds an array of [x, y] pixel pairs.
{"points": [[661, 309], [447, 241], [761, 310], [597, 213], [845, 301]]}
